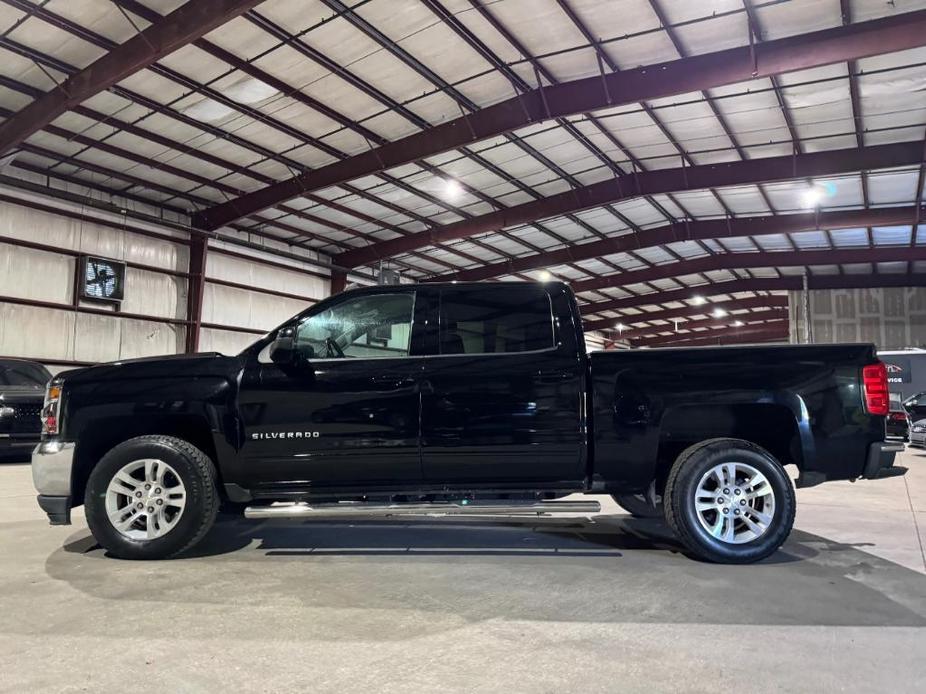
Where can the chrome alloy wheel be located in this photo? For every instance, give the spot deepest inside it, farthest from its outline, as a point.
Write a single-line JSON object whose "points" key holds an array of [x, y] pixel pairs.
{"points": [[735, 503], [145, 499]]}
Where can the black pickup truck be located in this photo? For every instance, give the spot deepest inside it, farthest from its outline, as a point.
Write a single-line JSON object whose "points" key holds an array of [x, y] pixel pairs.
{"points": [[22, 384], [445, 399]]}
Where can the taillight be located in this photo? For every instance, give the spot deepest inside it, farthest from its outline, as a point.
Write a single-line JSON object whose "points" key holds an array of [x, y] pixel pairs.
{"points": [[898, 416], [874, 383], [51, 409]]}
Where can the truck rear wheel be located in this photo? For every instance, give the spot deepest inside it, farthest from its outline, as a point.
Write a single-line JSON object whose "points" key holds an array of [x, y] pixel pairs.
{"points": [[729, 501], [151, 497]]}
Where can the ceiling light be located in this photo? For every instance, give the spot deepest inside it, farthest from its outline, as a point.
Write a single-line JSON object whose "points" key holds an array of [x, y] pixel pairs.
{"points": [[452, 189], [620, 326], [719, 313], [207, 110], [545, 275], [250, 91], [738, 324], [817, 193], [811, 197], [698, 300]]}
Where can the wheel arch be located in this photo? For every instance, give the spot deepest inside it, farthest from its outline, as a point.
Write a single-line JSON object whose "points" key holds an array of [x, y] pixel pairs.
{"points": [[103, 434], [775, 426]]}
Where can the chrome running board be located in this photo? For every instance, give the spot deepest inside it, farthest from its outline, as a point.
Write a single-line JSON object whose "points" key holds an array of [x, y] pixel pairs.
{"points": [[444, 508]]}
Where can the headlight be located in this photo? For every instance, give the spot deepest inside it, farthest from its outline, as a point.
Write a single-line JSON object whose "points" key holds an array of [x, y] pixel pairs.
{"points": [[919, 428], [51, 409]]}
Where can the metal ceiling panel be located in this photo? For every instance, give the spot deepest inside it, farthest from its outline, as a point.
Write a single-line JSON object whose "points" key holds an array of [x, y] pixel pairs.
{"points": [[892, 236], [24, 70], [721, 32], [737, 244], [686, 249], [9, 15], [789, 19], [47, 38], [857, 268], [744, 200], [810, 239], [892, 268], [765, 272], [647, 49], [846, 238], [754, 119], [243, 38], [887, 188], [823, 270], [572, 65]]}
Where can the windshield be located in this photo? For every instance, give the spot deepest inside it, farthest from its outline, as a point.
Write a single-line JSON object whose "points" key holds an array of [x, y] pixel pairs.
{"points": [[23, 373]]}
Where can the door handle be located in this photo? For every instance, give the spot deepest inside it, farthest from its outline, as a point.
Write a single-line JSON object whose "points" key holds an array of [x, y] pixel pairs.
{"points": [[554, 375], [393, 381]]}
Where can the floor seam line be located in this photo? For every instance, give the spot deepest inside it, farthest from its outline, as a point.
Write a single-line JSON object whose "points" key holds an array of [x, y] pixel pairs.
{"points": [[916, 526]]}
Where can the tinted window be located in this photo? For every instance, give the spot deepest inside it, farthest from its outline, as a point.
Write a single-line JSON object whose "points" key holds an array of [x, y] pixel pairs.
{"points": [[364, 327], [23, 373], [499, 319]]}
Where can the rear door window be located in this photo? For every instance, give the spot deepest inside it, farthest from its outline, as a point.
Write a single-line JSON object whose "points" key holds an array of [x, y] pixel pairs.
{"points": [[499, 319]]}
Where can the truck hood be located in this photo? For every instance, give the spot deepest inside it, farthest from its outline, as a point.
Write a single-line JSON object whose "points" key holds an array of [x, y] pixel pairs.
{"points": [[171, 366]]}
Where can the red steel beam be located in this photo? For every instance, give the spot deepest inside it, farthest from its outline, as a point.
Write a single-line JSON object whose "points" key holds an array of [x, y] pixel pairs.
{"points": [[757, 285], [769, 314], [199, 246], [739, 261], [626, 186], [752, 302], [815, 49], [776, 330], [182, 26], [687, 231]]}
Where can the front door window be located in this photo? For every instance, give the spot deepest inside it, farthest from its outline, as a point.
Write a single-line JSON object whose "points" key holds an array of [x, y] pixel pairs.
{"points": [[365, 327]]}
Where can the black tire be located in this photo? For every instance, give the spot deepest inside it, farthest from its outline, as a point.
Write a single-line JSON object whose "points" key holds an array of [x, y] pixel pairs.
{"points": [[639, 506], [682, 517], [195, 470]]}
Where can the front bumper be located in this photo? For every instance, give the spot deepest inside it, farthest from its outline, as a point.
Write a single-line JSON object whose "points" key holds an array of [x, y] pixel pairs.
{"points": [[880, 462], [52, 464]]}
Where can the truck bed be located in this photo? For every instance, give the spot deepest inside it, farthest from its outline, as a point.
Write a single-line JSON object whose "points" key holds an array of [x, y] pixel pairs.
{"points": [[801, 402]]}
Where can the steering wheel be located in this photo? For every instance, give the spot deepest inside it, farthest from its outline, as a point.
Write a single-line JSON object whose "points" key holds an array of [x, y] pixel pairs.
{"points": [[334, 348]]}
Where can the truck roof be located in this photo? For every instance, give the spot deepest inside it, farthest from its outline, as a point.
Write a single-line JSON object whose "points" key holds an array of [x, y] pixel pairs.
{"points": [[456, 284]]}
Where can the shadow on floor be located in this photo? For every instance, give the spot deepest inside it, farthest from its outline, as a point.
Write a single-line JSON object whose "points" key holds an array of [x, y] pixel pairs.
{"points": [[612, 569]]}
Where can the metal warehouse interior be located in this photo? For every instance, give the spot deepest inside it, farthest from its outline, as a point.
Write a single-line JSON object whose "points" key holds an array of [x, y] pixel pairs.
{"points": [[700, 173]]}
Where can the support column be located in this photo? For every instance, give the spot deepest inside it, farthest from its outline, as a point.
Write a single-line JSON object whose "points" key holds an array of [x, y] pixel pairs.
{"points": [[338, 281], [195, 287]]}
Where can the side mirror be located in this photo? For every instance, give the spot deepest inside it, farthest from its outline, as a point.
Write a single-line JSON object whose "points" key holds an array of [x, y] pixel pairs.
{"points": [[283, 348]]}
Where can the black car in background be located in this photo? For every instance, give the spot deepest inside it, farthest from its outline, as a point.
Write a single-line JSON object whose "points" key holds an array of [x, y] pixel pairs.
{"points": [[898, 420], [22, 390]]}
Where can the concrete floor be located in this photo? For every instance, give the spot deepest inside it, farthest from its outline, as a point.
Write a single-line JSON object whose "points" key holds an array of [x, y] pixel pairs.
{"points": [[553, 606]]}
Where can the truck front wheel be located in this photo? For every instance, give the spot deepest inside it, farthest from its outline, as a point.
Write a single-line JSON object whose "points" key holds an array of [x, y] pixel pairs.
{"points": [[151, 497], [729, 501]]}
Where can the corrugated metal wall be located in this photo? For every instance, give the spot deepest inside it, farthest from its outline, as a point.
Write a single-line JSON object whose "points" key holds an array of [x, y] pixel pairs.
{"points": [[890, 317], [59, 334], [233, 306]]}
